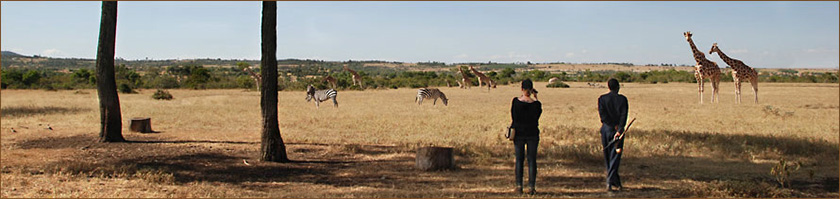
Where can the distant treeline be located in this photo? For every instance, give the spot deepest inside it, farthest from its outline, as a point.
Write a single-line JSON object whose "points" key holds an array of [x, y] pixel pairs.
{"points": [[193, 75]]}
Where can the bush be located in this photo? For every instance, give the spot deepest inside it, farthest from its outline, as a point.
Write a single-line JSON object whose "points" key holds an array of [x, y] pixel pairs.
{"points": [[162, 95], [557, 84], [124, 88]]}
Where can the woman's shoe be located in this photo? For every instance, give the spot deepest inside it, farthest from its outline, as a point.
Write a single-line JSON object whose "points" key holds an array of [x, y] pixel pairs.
{"points": [[517, 190], [532, 192]]}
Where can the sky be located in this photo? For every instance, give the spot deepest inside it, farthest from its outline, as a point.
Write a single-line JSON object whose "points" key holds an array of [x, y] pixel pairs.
{"points": [[773, 34]]}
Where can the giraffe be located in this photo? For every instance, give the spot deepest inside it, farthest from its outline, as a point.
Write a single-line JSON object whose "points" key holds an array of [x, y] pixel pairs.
{"points": [[356, 77], [466, 81], [704, 69], [257, 77], [483, 79], [331, 80], [740, 71]]}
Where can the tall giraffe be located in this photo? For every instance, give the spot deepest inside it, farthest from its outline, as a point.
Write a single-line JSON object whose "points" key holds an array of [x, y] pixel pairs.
{"points": [[740, 72], [483, 79], [466, 81], [704, 69], [356, 77], [257, 77]]}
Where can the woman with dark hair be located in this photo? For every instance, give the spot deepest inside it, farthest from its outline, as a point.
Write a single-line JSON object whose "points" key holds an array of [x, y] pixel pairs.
{"points": [[526, 112]]}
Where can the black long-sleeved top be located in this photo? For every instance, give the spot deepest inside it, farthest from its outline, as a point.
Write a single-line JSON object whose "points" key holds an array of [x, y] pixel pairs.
{"points": [[613, 110], [526, 117]]}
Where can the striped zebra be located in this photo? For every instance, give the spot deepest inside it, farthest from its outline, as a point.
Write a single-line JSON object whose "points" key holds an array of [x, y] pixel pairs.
{"points": [[320, 95], [430, 93]]}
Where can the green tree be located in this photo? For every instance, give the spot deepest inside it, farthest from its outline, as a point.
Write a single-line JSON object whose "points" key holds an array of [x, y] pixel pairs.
{"points": [[11, 77], [31, 77], [198, 77]]}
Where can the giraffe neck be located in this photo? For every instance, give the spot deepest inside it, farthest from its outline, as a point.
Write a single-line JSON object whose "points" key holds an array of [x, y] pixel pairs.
{"points": [[352, 71], [478, 74], [731, 62], [698, 56]]}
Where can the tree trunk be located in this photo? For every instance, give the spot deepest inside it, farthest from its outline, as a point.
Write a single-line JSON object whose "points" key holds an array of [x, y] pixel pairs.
{"points": [[106, 85], [272, 148], [141, 124]]}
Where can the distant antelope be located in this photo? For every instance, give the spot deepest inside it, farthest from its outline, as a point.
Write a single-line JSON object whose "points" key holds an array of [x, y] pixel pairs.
{"points": [[430, 93], [320, 95]]}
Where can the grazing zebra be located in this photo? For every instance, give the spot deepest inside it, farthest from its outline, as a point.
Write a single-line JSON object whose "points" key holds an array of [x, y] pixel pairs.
{"points": [[430, 93], [320, 95]]}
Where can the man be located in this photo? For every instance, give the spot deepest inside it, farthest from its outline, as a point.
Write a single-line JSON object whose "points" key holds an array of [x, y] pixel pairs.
{"points": [[613, 110]]}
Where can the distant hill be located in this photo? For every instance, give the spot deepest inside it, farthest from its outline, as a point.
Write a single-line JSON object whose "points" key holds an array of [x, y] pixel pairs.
{"points": [[10, 54]]}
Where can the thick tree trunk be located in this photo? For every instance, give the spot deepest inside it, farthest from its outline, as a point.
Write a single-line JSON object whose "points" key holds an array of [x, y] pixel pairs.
{"points": [[272, 148], [106, 85]]}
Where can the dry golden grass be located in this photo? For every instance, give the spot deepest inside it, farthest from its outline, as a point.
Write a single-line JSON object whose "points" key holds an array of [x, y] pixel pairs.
{"points": [[364, 147]]}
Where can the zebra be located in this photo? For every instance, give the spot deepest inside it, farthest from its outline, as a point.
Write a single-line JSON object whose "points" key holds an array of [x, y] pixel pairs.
{"points": [[430, 93], [320, 95]]}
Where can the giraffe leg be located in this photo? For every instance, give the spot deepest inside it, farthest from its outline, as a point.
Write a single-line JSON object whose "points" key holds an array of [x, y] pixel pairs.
{"points": [[737, 91], [754, 83], [715, 90], [700, 84], [714, 82]]}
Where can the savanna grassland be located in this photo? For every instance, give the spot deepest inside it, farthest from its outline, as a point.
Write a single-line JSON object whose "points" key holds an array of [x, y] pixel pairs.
{"points": [[207, 144]]}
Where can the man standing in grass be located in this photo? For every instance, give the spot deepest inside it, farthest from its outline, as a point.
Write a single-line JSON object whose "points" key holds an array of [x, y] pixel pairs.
{"points": [[613, 110]]}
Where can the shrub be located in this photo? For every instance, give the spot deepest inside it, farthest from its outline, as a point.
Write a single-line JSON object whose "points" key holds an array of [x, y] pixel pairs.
{"points": [[557, 84], [124, 88], [162, 95]]}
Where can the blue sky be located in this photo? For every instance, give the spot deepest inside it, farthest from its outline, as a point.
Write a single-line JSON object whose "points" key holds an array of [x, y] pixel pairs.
{"points": [[762, 34]]}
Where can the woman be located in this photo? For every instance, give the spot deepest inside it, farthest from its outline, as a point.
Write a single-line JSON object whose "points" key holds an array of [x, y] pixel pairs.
{"points": [[526, 112]]}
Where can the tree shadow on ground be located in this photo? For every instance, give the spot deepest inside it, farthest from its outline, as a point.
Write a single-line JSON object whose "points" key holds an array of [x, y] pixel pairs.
{"points": [[23, 111], [392, 167]]}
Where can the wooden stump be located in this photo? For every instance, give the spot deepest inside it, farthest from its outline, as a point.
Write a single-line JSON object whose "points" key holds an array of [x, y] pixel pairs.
{"points": [[141, 124], [434, 158]]}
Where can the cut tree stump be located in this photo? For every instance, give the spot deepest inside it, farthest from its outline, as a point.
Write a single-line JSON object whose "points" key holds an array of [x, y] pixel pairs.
{"points": [[141, 124], [434, 158]]}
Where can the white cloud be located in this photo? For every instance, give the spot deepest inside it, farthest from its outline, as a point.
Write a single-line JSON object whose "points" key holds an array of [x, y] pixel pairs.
{"points": [[511, 57], [461, 56], [738, 51], [51, 52], [821, 50], [570, 54]]}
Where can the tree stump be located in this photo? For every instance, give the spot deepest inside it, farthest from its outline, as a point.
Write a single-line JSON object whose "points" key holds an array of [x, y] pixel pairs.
{"points": [[434, 158], [141, 124]]}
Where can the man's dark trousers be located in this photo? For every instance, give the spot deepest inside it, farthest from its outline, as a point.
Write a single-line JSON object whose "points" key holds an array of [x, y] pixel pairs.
{"points": [[611, 158]]}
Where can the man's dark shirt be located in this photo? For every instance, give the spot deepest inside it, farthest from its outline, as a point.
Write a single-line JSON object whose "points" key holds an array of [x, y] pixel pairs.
{"points": [[613, 109]]}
